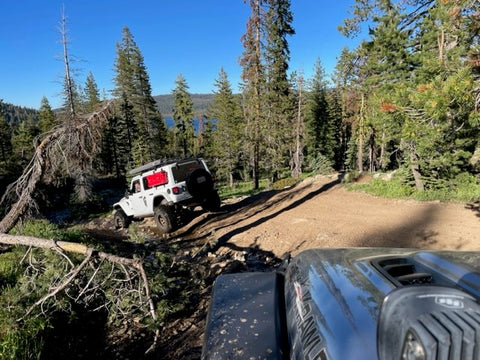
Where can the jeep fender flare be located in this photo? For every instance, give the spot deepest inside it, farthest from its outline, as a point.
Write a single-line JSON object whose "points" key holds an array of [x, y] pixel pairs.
{"points": [[118, 207]]}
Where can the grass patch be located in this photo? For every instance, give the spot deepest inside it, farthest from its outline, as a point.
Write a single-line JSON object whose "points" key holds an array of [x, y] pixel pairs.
{"points": [[464, 188], [388, 189], [241, 189]]}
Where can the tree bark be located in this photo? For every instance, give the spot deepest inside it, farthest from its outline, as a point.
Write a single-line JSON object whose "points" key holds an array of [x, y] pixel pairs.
{"points": [[297, 156], [415, 167], [360, 137]]}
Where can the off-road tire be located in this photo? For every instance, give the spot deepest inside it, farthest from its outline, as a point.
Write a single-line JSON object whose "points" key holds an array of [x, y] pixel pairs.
{"points": [[164, 219], [212, 203], [199, 184], [120, 220]]}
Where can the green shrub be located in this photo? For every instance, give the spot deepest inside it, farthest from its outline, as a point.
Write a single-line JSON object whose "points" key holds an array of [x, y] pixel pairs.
{"points": [[46, 230], [321, 165], [10, 269], [463, 188], [284, 183]]}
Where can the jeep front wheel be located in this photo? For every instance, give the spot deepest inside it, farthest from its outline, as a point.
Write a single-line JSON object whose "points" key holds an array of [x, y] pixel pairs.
{"points": [[120, 220], [164, 220]]}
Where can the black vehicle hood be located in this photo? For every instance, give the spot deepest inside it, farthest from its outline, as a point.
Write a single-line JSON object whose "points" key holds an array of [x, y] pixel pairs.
{"points": [[333, 297]]}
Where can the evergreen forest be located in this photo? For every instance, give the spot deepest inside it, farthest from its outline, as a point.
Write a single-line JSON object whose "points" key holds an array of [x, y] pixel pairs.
{"points": [[406, 102]]}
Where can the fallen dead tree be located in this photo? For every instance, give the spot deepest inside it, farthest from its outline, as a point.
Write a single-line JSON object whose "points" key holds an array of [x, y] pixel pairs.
{"points": [[65, 148], [129, 277], [69, 146]]}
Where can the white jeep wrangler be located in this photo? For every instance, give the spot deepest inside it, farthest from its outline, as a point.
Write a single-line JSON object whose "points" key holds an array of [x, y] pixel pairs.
{"points": [[164, 190]]}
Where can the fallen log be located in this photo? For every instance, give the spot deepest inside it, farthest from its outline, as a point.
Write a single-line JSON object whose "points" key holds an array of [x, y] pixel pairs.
{"points": [[90, 254]]}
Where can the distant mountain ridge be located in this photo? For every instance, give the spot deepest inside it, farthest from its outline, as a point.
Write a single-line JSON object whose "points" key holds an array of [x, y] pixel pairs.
{"points": [[15, 114], [201, 102]]}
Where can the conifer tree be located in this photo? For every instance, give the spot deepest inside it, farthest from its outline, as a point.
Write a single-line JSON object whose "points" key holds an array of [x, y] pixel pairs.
{"points": [[228, 141], [23, 141], [92, 95], [409, 105], [319, 129], [298, 85], [183, 118], [253, 87], [347, 80], [70, 93], [141, 123], [46, 117], [340, 131], [279, 134]]}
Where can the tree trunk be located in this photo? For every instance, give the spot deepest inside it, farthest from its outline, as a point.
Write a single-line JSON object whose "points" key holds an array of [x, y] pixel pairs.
{"points": [[297, 156], [68, 79], [371, 151], [360, 137], [382, 164], [415, 167]]}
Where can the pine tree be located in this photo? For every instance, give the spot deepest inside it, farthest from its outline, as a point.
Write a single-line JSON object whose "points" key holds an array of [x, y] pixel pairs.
{"points": [[279, 134], [298, 85], [347, 80], [23, 142], [340, 131], [228, 141], [46, 117], [149, 120], [92, 95], [416, 96], [319, 129], [70, 93], [438, 127], [142, 123], [253, 87], [183, 117]]}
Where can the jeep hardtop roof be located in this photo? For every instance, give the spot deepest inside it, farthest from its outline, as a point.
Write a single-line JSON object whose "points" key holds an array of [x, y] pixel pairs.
{"points": [[159, 163]]}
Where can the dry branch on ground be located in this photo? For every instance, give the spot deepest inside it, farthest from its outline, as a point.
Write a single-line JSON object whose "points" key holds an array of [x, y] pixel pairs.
{"points": [[90, 256]]}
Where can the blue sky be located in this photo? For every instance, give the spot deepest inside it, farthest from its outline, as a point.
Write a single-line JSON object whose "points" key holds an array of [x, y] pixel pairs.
{"points": [[192, 37]]}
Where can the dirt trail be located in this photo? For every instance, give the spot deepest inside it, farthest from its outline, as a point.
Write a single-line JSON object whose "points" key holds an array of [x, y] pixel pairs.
{"points": [[319, 212], [256, 232]]}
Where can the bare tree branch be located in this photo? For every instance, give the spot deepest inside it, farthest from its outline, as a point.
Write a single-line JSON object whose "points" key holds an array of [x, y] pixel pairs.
{"points": [[90, 254]]}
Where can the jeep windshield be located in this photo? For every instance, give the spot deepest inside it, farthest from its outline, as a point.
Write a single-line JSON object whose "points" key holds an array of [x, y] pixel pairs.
{"points": [[182, 170]]}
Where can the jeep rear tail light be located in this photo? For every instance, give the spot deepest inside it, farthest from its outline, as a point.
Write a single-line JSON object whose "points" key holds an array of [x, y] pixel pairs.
{"points": [[176, 190]]}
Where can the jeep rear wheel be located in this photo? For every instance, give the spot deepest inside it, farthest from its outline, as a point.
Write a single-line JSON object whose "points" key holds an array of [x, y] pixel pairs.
{"points": [[120, 220], [212, 203], [164, 219]]}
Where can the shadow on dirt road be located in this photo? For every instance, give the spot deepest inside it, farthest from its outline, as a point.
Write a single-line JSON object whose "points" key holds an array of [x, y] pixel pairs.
{"points": [[223, 240]]}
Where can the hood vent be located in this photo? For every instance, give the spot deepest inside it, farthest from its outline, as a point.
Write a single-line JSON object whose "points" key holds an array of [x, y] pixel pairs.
{"points": [[403, 271]]}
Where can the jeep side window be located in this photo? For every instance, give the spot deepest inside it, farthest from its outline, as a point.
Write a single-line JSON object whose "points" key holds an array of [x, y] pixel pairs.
{"points": [[145, 183], [136, 186]]}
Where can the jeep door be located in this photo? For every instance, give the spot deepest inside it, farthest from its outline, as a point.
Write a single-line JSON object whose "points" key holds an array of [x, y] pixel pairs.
{"points": [[139, 200]]}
